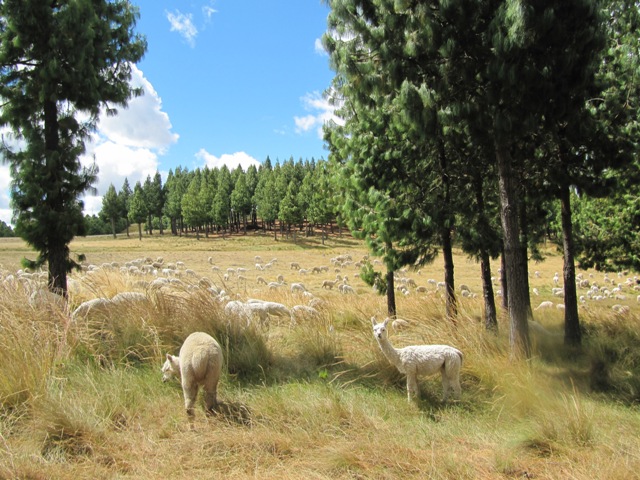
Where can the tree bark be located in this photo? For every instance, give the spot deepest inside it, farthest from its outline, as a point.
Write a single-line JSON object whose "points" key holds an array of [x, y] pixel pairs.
{"points": [[490, 314], [391, 295], [516, 282], [503, 281], [451, 305], [572, 334]]}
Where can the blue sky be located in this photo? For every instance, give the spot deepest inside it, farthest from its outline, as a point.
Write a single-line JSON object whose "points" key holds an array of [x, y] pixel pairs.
{"points": [[226, 81]]}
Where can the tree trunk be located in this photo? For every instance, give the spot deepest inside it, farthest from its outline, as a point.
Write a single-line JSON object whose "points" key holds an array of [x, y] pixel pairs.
{"points": [[572, 335], [58, 260], [490, 314], [503, 281], [140, 231], [150, 225], [391, 295], [58, 252], [113, 226], [516, 282], [451, 307]]}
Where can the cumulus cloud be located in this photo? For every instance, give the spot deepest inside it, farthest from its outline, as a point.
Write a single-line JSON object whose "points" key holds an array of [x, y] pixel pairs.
{"points": [[142, 124], [230, 160], [183, 24], [321, 112], [125, 146]]}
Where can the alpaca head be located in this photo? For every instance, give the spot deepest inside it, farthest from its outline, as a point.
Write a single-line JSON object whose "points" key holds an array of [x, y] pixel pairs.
{"points": [[171, 367], [379, 329]]}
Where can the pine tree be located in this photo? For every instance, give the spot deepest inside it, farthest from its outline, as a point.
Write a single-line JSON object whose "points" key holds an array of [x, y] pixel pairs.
{"points": [[111, 207], [124, 196], [138, 210], [59, 59]]}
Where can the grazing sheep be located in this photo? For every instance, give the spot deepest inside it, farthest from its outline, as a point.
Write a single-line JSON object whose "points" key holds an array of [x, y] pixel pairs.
{"points": [[298, 287], [421, 360], [546, 304], [97, 304], [199, 363], [329, 284], [399, 324], [346, 289]]}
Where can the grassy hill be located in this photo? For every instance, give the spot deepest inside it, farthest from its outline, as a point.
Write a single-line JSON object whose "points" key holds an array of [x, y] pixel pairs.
{"points": [[315, 400]]}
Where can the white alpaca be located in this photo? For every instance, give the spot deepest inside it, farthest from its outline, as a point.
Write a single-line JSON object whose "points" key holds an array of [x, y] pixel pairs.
{"points": [[422, 360], [199, 363]]}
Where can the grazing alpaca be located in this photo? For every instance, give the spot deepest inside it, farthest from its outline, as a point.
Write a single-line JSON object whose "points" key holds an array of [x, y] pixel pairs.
{"points": [[421, 360]]}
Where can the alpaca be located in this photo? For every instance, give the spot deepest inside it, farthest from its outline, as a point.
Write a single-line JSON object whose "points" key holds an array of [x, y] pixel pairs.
{"points": [[421, 360]]}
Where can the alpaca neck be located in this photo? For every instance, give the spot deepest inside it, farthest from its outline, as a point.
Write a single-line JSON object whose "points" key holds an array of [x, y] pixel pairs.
{"points": [[390, 352]]}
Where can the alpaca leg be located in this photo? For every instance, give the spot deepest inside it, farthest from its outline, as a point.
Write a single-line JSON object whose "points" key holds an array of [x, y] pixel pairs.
{"points": [[454, 382], [445, 385], [452, 373], [412, 386], [210, 394], [190, 394]]}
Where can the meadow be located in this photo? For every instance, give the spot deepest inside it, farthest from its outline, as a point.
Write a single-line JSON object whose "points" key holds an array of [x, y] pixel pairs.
{"points": [[316, 400]]}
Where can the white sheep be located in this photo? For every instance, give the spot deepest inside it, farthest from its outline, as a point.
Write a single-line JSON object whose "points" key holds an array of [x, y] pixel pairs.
{"points": [[96, 304], [417, 360], [298, 287], [545, 304], [346, 289], [199, 363]]}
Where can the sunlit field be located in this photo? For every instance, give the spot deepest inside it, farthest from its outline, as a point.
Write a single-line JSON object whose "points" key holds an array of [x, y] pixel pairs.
{"points": [[83, 398]]}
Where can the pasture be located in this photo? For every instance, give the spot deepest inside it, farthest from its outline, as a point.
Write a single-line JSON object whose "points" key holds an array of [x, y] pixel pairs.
{"points": [[314, 400]]}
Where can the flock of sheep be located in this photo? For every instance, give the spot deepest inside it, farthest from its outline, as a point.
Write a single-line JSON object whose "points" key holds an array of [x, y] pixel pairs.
{"points": [[200, 357]]}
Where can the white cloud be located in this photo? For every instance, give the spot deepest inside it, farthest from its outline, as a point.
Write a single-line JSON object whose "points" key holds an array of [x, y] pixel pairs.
{"points": [[125, 146], [319, 48], [230, 160], [321, 112], [183, 24], [142, 124], [208, 12]]}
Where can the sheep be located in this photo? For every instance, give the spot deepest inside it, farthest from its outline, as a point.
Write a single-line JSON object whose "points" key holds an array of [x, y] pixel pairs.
{"points": [[199, 363], [264, 309], [298, 287], [329, 284], [346, 289], [98, 304], [546, 304], [399, 324], [294, 266], [417, 360]]}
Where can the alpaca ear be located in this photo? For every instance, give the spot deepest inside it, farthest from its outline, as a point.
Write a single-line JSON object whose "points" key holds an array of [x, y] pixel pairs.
{"points": [[386, 320], [169, 356], [373, 321]]}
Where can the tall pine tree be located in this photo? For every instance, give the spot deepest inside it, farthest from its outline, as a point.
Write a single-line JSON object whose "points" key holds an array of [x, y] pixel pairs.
{"points": [[60, 61]]}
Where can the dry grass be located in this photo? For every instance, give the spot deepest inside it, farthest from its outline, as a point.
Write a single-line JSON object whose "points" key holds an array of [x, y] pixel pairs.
{"points": [[84, 399]]}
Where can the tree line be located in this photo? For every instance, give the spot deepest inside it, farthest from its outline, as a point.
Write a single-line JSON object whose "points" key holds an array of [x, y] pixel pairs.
{"points": [[288, 195]]}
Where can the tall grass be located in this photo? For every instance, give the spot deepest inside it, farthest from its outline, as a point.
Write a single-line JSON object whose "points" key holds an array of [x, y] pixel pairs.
{"points": [[83, 399]]}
